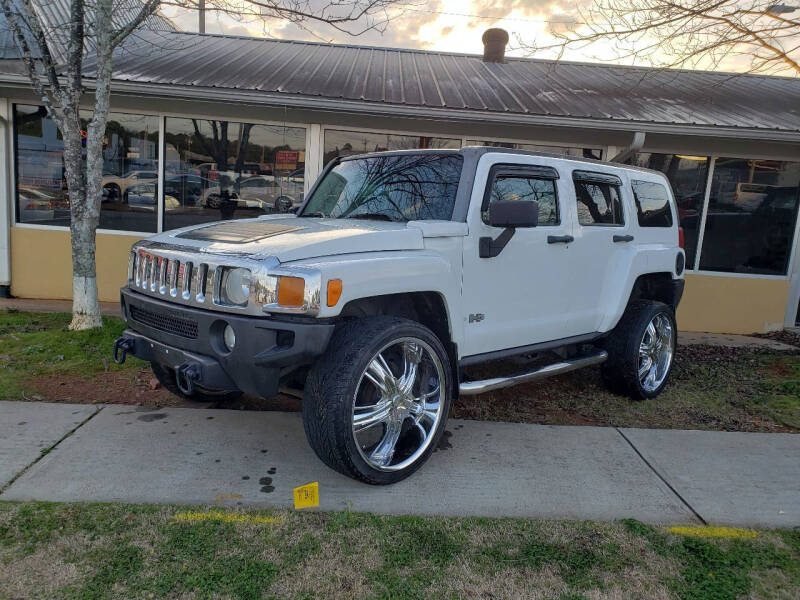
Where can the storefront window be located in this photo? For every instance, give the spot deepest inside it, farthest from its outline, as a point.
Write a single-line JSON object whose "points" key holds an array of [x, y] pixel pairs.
{"points": [[752, 209], [219, 170], [347, 143], [596, 153], [688, 175], [130, 158]]}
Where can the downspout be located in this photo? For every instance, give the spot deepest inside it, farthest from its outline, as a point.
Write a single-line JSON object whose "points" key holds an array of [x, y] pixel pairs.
{"points": [[636, 145]]}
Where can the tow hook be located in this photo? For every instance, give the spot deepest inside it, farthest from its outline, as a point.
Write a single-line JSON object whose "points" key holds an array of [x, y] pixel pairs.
{"points": [[185, 376], [122, 346]]}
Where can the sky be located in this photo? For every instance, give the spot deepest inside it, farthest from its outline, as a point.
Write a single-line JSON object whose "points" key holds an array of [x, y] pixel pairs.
{"points": [[446, 25]]}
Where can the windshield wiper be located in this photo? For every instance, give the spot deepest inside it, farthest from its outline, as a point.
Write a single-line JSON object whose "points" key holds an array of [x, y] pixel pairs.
{"points": [[375, 216], [317, 215]]}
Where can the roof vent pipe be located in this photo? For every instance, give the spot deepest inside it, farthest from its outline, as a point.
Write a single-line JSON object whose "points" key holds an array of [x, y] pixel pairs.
{"points": [[494, 45]]}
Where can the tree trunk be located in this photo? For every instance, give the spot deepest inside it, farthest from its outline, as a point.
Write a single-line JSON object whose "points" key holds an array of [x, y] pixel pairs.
{"points": [[83, 225]]}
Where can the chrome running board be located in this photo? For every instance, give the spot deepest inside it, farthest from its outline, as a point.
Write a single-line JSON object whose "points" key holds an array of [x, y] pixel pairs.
{"points": [[471, 388]]}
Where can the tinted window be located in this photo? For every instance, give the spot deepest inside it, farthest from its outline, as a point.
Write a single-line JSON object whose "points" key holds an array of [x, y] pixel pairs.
{"points": [[750, 222], [517, 187], [228, 170], [687, 174], [395, 188], [652, 204], [598, 203], [130, 157]]}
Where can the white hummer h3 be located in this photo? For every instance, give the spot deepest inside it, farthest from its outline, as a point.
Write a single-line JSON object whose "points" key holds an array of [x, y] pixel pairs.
{"points": [[399, 272]]}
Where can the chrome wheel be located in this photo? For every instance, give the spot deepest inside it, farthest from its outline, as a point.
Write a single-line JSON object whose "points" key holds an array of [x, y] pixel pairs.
{"points": [[398, 405], [655, 352]]}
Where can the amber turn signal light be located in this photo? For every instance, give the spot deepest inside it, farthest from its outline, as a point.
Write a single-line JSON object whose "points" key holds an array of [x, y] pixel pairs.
{"points": [[291, 291], [334, 291]]}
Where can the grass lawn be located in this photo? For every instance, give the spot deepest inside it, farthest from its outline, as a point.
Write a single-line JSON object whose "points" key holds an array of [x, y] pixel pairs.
{"points": [[734, 389], [93, 551]]}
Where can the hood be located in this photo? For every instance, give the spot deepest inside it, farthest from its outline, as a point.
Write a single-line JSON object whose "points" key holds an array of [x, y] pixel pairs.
{"points": [[288, 238]]}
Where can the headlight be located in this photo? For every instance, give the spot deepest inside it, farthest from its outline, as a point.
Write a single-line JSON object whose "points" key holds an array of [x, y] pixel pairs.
{"points": [[234, 289]]}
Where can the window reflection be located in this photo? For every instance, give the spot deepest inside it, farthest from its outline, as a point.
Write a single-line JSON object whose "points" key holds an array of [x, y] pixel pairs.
{"points": [[596, 153], [652, 204], [348, 143], [687, 174], [220, 170], [751, 215], [392, 188], [516, 187], [598, 203], [130, 157]]}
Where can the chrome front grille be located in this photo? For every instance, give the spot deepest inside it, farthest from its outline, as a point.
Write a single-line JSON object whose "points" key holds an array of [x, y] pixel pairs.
{"points": [[190, 278], [185, 280]]}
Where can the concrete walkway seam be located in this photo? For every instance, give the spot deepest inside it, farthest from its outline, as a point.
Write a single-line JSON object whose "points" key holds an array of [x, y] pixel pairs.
{"points": [[48, 450], [662, 478]]}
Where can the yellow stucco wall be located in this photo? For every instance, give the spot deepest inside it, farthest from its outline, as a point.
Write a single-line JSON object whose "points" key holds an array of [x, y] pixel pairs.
{"points": [[41, 268], [41, 263], [720, 304]]}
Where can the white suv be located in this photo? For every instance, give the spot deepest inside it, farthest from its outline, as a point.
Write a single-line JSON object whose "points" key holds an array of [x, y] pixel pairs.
{"points": [[400, 270]]}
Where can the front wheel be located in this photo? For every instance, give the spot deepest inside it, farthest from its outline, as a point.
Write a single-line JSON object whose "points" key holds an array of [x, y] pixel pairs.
{"points": [[641, 350], [375, 405]]}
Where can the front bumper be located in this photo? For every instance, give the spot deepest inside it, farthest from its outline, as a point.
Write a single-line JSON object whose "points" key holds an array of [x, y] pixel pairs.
{"points": [[178, 336]]}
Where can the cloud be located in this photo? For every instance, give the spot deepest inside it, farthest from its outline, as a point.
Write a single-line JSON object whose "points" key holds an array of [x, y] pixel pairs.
{"points": [[444, 25]]}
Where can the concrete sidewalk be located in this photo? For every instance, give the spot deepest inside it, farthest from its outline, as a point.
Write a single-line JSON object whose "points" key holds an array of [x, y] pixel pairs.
{"points": [[121, 453]]}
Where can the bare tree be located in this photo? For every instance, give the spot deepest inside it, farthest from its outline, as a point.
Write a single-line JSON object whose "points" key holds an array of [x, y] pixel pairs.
{"points": [[54, 54], [750, 35]]}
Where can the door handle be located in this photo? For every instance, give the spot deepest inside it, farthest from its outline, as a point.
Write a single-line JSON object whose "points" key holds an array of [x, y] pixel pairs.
{"points": [[623, 238], [560, 239]]}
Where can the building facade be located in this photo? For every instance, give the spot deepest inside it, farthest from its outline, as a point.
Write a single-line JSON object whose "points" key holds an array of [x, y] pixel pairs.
{"points": [[212, 127]]}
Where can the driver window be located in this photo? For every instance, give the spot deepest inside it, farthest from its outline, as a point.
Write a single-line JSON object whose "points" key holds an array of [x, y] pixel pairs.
{"points": [[520, 187]]}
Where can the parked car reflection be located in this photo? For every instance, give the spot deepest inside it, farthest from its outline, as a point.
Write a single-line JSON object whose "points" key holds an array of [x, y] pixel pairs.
{"points": [[115, 186], [264, 193], [144, 197]]}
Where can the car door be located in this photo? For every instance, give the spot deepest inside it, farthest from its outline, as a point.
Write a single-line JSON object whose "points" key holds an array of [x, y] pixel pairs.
{"points": [[603, 242], [516, 298]]}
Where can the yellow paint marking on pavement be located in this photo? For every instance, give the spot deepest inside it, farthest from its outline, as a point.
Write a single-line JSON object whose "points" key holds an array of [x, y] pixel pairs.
{"points": [[307, 496], [191, 517], [715, 532]]}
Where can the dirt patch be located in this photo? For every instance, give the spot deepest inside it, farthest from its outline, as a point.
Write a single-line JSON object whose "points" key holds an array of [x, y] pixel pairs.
{"points": [[132, 386], [784, 336], [136, 387]]}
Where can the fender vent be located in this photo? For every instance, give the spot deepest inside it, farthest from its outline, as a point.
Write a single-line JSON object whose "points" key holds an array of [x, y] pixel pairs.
{"points": [[185, 328]]}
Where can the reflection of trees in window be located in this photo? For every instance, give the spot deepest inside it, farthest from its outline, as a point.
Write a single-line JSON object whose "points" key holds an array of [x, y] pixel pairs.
{"points": [[527, 188], [419, 186], [600, 201]]}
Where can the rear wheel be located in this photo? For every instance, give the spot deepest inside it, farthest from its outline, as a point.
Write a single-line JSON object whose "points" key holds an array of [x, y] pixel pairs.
{"points": [[375, 405], [641, 350], [166, 377]]}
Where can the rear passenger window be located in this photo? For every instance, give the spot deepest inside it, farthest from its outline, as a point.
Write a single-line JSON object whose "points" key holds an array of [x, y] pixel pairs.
{"points": [[522, 187], [598, 203], [652, 204]]}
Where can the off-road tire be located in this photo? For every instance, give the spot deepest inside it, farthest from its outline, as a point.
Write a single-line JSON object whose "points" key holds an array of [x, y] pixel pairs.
{"points": [[166, 377], [621, 371], [331, 386]]}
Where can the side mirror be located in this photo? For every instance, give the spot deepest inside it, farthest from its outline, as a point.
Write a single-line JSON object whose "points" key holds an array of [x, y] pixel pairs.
{"points": [[514, 213]]}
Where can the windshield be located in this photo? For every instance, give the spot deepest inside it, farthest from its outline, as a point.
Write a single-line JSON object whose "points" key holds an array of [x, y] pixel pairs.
{"points": [[405, 187]]}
